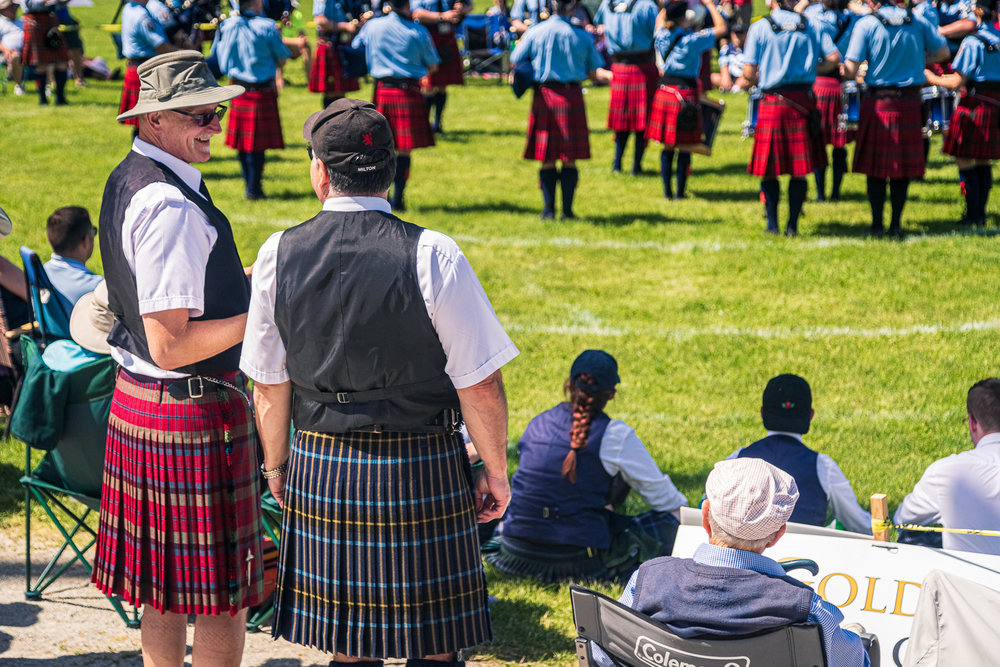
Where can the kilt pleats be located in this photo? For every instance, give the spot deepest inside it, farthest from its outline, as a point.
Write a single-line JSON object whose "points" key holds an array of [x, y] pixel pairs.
{"points": [[974, 132], [557, 125], [406, 111], [449, 72], [662, 124], [130, 94], [379, 549], [36, 49], [890, 137], [781, 142], [254, 123], [632, 91], [327, 72], [830, 102], [180, 506]]}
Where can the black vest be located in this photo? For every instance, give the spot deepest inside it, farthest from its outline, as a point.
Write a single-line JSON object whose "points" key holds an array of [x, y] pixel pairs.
{"points": [[790, 455], [227, 290], [361, 348]]}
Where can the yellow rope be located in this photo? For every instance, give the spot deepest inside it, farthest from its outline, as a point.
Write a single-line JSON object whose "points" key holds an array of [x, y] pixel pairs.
{"points": [[931, 529]]}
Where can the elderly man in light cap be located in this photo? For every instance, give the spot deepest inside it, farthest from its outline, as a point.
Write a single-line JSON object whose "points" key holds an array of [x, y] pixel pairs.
{"points": [[729, 587], [180, 512]]}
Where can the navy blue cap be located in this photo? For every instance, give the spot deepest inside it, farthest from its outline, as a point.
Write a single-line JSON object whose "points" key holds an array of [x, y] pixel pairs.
{"points": [[599, 365], [787, 404]]}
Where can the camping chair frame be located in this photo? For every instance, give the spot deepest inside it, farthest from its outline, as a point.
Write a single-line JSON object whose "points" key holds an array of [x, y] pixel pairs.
{"points": [[271, 525], [38, 281], [497, 45]]}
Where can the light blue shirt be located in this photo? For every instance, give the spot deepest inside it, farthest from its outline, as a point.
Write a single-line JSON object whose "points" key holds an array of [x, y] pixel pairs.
{"points": [[66, 356], [141, 33], [928, 12], [71, 278], [832, 22], [685, 57], [435, 5], [731, 56], [249, 47], [895, 54], [558, 51], [787, 57], [974, 61], [949, 12], [530, 10], [627, 32], [331, 9], [396, 48], [160, 13], [843, 647]]}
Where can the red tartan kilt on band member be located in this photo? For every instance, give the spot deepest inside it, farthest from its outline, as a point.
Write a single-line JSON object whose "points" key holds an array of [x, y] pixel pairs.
{"points": [[327, 72], [662, 125], [830, 102], [404, 107], [890, 141], [449, 72], [130, 91], [633, 87], [974, 133], [254, 124], [781, 142], [180, 504], [36, 49], [557, 125]]}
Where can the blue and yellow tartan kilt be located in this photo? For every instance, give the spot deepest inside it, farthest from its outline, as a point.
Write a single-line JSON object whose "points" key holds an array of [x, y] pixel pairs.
{"points": [[379, 549]]}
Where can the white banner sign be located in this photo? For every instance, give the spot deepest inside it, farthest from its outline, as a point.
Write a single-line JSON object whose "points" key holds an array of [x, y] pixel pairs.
{"points": [[875, 584]]}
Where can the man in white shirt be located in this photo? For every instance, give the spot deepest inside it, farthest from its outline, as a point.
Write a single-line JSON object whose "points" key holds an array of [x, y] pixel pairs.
{"points": [[963, 490], [11, 41], [376, 335]]}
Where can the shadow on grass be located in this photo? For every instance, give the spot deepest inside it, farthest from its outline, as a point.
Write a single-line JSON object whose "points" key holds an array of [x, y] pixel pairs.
{"points": [[519, 633], [11, 491], [743, 194], [647, 217], [81, 659], [467, 136], [480, 207]]}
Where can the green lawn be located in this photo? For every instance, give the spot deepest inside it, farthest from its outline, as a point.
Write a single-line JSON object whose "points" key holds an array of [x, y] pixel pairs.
{"points": [[697, 304]]}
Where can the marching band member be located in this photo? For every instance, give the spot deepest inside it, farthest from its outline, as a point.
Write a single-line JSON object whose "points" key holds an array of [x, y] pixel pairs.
{"points": [[526, 13], [327, 75], [956, 21], [441, 19], [974, 133], [784, 53], [44, 48], [833, 18], [628, 33], [561, 55], [889, 143], [250, 51], [681, 50], [400, 52], [143, 37]]}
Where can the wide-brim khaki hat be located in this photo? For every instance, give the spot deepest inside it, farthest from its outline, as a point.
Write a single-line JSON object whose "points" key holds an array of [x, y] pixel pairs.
{"points": [[91, 320], [175, 81]]}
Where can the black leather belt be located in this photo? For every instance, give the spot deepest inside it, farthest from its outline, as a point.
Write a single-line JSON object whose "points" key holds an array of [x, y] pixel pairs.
{"points": [[135, 62], [894, 91], [557, 85], [448, 421], [633, 57], [398, 82], [984, 87], [792, 88], [678, 81], [253, 85], [181, 389]]}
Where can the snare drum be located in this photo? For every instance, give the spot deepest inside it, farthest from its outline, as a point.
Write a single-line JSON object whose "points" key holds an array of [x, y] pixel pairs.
{"points": [[753, 107], [938, 106], [711, 114], [850, 113]]}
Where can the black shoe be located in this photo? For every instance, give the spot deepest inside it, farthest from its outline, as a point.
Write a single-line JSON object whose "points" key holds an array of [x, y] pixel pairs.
{"points": [[772, 231], [437, 129], [547, 215], [616, 167], [568, 216], [791, 233]]}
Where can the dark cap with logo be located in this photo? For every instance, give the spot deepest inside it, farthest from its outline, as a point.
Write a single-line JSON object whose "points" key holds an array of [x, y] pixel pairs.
{"points": [[599, 365], [350, 136], [676, 9], [787, 404]]}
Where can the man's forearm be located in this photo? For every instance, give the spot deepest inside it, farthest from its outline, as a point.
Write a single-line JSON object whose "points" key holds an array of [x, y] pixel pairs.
{"points": [[273, 404], [484, 409]]}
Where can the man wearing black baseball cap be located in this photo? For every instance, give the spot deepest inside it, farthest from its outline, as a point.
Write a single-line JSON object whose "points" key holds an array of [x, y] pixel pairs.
{"points": [[824, 491], [377, 336]]}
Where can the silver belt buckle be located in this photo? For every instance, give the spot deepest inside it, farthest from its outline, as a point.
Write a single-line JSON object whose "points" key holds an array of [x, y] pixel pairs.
{"points": [[444, 28], [192, 392]]}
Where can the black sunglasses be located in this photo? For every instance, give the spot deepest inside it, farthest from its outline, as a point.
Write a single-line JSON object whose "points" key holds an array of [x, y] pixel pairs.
{"points": [[204, 119], [309, 149]]}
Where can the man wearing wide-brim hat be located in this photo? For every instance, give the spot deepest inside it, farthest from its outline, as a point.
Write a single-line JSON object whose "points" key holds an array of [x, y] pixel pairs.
{"points": [[179, 515]]}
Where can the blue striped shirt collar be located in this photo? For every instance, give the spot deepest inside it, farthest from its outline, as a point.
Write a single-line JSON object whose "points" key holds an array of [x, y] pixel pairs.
{"points": [[710, 554]]}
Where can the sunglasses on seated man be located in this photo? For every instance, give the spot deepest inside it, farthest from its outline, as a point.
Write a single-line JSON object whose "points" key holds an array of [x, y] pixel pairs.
{"points": [[204, 119]]}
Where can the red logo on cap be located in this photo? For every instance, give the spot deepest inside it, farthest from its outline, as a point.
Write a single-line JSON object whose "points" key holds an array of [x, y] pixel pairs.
{"points": [[788, 405], [367, 138]]}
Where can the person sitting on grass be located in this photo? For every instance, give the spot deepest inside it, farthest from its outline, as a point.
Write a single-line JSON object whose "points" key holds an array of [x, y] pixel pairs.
{"points": [[573, 458]]}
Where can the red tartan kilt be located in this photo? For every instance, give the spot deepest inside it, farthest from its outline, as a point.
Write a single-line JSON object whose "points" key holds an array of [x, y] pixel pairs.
{"points": [[449, 72], [130, 94], [36, 49], [557, 126], [830, 102], [254, 124], [662, 124], [632, 91], [890, 141], [974, 132], [406, 111], [781, 140], [327, 72]]}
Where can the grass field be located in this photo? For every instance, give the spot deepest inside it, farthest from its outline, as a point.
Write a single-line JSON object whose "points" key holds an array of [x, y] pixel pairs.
{"points": [[697, 304]]}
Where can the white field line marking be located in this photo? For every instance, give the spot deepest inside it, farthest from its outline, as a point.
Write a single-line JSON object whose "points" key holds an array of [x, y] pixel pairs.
{"points": [[775, 333]]}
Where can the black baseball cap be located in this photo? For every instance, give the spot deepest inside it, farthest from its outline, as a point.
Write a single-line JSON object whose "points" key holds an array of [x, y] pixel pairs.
{"points": [[350, 136], [676, 9], [787, 404], [599, 365]]}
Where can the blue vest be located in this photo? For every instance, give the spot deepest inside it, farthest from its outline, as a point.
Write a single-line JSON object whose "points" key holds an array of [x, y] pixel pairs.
{"points": [[696, 600], [544, 505], [798, 461]]}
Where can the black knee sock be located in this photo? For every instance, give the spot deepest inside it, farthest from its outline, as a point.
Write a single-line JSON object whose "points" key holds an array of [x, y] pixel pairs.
{"points": [[898, 188], [621, 139], [683, 167], [439, 101], [667, 173], [839, 169], [547, 180], [256, 161], [40, 79], [820, 176], [329, 99], [796, 197], [985, 185], [772, 195], [61, 86], [429, 101], [568, 179], [876, 199], [927, 148], [640, 150], [970, 180], [399, 182], [243, 158]]}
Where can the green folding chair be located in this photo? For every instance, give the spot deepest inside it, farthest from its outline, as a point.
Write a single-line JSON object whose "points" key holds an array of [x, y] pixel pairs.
{"points": [[271, 524], [66, 415]]}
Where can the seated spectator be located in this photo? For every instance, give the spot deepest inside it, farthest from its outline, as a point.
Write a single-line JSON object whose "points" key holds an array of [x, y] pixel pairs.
{"points": [[729, 587], [71, 235], [961, 490], [573, 459], [729, 78], [825, 492], [89, 326], [11, 42]]}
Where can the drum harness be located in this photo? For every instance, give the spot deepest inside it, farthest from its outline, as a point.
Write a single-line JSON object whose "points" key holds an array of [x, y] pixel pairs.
{"points": [[812, 117]]}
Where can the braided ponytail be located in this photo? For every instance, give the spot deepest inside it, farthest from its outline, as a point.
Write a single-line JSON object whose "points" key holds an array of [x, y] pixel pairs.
{"points": [[585, 406]]}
